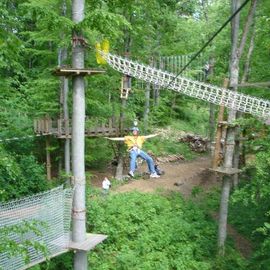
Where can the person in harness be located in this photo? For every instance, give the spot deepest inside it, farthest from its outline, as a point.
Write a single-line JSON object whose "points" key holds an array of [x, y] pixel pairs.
{"points": [[134, 144]]}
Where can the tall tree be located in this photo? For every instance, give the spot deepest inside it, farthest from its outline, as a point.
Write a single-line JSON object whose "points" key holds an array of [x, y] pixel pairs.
{"points": [[236, 53]]}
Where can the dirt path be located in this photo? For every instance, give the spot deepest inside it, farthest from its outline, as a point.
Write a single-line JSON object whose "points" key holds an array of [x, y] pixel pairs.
{"points": [[180, 176]]}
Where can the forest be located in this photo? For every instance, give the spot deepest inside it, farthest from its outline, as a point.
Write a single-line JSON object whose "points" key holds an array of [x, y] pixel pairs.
{"points": [[193, 72]]}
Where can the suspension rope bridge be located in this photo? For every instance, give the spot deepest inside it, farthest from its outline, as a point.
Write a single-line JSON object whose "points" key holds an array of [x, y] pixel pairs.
{"points": [[203, 91]]}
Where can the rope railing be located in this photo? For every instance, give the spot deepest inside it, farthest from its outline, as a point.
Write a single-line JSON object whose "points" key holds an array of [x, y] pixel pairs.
{"points": [[203, 91]]}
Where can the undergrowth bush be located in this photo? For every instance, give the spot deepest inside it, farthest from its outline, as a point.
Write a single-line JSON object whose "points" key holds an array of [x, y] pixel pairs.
{"points": [[20, 175], [250, 208], [151, 231]]}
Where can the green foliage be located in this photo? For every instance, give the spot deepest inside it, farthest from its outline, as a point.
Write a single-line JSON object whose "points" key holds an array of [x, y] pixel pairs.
{"points": [[251, 207], [149, 231], [20, 175], [98, 153]]}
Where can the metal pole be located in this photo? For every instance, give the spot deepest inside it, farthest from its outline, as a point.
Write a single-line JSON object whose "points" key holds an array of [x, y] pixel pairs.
{"points": [[78, 144]]}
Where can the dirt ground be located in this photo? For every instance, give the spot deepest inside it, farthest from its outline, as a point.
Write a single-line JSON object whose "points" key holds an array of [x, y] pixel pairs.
{"points": [[181, 176]]}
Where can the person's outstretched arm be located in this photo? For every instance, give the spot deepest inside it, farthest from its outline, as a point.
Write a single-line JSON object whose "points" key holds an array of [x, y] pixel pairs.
{"points": [[115, 139], [150, 136]]}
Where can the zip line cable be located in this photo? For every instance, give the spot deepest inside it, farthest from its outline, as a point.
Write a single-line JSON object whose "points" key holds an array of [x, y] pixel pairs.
{"points": [[207, 43]]}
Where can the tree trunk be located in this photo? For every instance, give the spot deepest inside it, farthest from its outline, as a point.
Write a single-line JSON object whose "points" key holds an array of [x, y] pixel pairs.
{"points": [[63, 54], [156, 87], [239, 144], [223, 214], [248, 59], [120, 163], [48, 159], [230, 140], [212, 124], [237, 151], [120, 146], [146, 106], [66, 121], [78, 142]]}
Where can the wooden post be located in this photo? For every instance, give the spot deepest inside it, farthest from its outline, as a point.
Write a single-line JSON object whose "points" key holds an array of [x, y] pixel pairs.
{"points": [[78, 141], [48, 159], [217, 151]]}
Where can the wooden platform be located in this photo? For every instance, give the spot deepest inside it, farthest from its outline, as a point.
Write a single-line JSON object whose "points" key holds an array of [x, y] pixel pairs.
{"points": [[61, 128], [91, 241], [66, 71], [227, 171]]}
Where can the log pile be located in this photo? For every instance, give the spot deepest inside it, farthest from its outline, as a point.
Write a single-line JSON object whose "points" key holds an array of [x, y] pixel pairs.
{"points": [[170, 158], [196, 142], [167, 158]]}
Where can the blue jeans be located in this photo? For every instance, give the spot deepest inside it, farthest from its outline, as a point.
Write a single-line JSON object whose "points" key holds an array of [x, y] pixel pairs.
{"points": [[133, 154]]}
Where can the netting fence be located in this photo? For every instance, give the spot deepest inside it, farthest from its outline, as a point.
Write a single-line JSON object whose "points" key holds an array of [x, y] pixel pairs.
{"points": [[41, 221]]}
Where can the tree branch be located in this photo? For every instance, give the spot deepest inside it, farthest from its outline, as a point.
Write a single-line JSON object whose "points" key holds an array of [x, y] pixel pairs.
{"points": [[247, 26]]}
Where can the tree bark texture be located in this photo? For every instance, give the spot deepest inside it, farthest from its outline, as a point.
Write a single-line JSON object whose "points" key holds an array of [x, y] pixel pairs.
{"points": [[78, 142]]}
